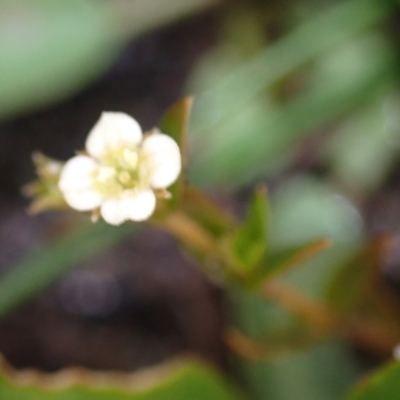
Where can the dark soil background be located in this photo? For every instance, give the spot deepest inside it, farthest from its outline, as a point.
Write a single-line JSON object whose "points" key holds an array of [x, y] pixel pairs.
{"points": [[142, 302]]}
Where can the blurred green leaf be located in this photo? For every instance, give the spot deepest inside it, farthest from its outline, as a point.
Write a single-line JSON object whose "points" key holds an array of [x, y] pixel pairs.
{"points": [[188, 380], [50, 49], [306, 208], [334, 27], [45, 265], [383, 385], [265, 132]]}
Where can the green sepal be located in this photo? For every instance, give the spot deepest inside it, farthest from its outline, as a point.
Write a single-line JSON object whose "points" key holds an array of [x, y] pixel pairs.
{"points": [[44, 191]]}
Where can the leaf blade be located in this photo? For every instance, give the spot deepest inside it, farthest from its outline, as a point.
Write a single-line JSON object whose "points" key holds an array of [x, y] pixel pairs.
{"points": [[178, 380]]}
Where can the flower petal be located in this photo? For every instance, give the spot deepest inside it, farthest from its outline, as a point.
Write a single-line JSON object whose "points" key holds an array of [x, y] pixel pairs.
{"points": [[112, 130], [77, 173], [164, 159], [139, 206], [83, 200], [113, 212], [76, 183]]}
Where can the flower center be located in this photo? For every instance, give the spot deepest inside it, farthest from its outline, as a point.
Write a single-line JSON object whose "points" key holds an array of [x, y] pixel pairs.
{"points": [[122, 169]]}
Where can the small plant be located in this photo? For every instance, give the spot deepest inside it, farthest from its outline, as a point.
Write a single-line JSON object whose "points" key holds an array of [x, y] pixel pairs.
{"points": [[124, 176]]}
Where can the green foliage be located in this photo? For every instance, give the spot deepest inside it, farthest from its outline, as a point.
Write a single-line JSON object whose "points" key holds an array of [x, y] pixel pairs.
{"points": [[51, 49], [383, 385], [187, 381], [297, 48], [237, 113]]}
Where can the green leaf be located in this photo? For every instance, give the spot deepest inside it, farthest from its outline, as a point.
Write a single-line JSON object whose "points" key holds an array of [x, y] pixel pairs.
{"points": [[383, 385], [175, 124], [40, 269], [250, 243], [50, 49], [267, 132], [175, 381], [303, 44], [233, 117]]}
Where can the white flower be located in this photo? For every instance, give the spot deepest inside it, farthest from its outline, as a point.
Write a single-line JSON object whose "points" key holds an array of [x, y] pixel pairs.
{"points": [[121, 171]]}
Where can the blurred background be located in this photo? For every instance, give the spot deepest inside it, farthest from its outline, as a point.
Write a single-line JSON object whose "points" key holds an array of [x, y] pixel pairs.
{"points": [[300, 95]]}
